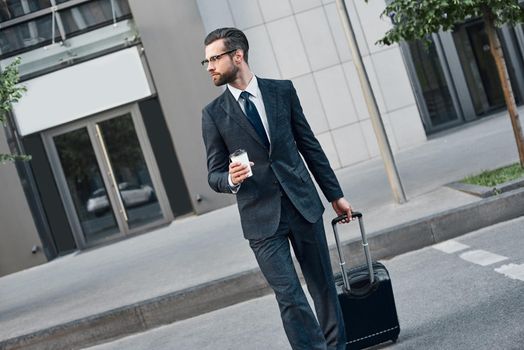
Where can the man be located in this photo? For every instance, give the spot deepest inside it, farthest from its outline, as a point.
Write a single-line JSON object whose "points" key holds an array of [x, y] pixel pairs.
{"points": [[279, 202]]}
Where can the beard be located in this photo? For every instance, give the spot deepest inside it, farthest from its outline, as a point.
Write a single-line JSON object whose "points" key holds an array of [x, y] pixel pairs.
{"points": [[226, 77]]}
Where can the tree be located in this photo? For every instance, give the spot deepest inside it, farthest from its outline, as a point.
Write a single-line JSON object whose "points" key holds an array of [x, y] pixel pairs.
{"points": [[416, 19], [10, 93]]}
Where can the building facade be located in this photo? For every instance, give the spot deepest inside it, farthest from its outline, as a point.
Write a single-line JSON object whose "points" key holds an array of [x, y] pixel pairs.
{"points": [[115, 90]]}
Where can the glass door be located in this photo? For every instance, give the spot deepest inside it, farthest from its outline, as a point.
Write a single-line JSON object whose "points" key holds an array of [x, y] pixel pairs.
{"points": [[433, 86], [479, 67], [85, 185], [128, 173], [107, 178]]}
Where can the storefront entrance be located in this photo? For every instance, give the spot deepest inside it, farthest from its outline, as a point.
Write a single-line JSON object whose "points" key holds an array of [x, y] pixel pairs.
{"points": [[433, 90], [107, 177], [455, 76], [479, 68]]}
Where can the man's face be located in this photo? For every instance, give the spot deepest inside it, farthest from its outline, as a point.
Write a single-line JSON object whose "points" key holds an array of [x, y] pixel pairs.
{"points": [[222, 70]]}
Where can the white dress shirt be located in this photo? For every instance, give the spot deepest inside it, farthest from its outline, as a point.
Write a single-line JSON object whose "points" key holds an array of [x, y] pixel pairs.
{"points": [[256, 98]]}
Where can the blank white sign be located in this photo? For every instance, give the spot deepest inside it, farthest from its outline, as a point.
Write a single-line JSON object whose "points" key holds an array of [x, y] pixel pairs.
{"points": [[81, 90]]}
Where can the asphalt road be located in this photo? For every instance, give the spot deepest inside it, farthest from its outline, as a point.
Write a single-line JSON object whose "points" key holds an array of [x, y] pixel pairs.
{"points": [[467, 293]]}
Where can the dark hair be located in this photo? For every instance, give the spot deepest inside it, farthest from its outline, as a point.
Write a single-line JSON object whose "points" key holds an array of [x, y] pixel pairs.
{"points": [[233, 39]]}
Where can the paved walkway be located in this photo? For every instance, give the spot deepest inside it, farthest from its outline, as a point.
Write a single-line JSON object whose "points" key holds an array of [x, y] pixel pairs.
{"points": [[199, 249], [437, 291]]}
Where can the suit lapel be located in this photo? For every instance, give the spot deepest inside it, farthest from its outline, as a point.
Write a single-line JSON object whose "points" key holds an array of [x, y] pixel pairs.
{"points": [[230, 105], [270, 97]]}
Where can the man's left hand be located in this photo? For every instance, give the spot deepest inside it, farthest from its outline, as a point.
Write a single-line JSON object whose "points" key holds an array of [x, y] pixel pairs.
{"points": [[342, 206]]}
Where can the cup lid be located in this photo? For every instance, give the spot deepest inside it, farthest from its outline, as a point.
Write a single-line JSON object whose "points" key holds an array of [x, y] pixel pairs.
{"points": [[237, 153]]}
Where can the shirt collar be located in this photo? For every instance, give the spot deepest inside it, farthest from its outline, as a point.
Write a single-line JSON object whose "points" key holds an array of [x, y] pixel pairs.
{"points": [[252, 88]]}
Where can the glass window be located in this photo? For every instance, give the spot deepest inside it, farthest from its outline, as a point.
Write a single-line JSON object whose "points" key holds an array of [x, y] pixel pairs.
{"points": [[92, 15], [26, 35], [37, 32], [11, 9], [433, 83]]}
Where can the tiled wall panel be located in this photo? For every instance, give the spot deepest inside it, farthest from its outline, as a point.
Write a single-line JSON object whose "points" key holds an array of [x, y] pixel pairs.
{"points": [[303, 40]]}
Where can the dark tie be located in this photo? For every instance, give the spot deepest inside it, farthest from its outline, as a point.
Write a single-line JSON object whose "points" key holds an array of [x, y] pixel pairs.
{"points": [[254, 118]]}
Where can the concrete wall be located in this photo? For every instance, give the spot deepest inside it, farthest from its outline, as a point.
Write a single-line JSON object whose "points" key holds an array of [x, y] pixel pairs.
{"points": [[172, 34], [302, 40], [17, 229]]}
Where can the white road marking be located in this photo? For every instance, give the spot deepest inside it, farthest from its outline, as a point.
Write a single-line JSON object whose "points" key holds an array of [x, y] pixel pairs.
{"points": [[450, 246], [482, 257], [512, 271]]}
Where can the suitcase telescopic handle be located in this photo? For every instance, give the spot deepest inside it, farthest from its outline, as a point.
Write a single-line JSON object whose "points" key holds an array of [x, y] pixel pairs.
{"points": [[354, 214], [365, 244]]}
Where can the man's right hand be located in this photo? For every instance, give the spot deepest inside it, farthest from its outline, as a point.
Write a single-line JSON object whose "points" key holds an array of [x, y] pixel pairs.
{"points": [[238, 172]]}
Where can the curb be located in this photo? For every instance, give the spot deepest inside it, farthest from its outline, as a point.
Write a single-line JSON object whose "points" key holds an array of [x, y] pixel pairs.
{"points": [[144, 315], [485, 192], [437, 228], [203, 298]]}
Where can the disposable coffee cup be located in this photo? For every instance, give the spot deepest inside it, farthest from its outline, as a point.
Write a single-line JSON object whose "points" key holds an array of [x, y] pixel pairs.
{"points": [[241, 156]]}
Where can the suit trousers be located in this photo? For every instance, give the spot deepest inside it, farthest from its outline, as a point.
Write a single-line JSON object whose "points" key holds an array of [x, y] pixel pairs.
{"points": [[273, 255]]}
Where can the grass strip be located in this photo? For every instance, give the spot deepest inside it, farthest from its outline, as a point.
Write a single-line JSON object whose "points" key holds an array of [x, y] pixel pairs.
{"points": [[490, 178]]}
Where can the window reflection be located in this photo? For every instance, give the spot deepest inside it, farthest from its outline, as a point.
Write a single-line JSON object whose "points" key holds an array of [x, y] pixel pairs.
{"points": [[479, 67], [37, 32], [433, 83], [11, 9], [92, 15], [130, 170], [85, 184], [26, 35]]}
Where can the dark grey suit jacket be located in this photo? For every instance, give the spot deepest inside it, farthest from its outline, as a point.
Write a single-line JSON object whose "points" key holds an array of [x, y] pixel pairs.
{"points": [[225, 129]]}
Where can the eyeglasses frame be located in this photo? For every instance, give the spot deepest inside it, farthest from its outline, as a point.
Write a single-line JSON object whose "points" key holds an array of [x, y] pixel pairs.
{"points": [[215, 58]]}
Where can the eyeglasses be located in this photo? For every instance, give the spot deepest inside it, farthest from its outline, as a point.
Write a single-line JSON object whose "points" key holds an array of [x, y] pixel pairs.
{"points": [[215, 58]]}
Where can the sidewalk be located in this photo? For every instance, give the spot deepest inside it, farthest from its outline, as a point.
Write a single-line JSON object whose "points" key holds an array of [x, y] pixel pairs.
{"points": [[201, 263]]}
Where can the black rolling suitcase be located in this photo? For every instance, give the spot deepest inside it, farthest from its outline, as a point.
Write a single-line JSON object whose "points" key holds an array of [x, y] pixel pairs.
{"points": [[366, 298]]}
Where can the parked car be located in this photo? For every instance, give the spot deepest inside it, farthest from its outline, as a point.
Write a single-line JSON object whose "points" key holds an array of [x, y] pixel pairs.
{"points": [[98, 202], [132, 195]]}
